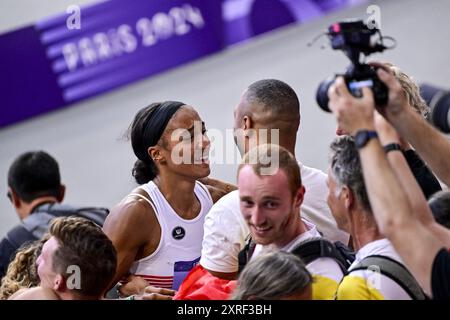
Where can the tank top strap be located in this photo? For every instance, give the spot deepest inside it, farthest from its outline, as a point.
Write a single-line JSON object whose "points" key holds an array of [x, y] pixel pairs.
{"points": [[164, 208], [203, 190], [155, 196], [150, 202]]}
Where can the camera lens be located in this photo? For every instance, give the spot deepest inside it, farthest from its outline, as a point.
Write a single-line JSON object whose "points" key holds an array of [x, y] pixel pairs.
{"points": [[322, 93], [439, 102]]}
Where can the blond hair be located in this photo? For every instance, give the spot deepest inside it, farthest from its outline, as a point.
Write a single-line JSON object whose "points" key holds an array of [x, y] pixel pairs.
{"points": [[411, 90], [22, 271]]}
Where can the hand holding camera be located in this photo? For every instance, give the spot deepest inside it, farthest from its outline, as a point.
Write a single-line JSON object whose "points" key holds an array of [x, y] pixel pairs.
{"points": [[352, 114], [396, 97]]}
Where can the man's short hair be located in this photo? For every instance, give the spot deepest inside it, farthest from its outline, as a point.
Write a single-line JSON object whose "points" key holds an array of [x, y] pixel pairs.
{"points": [[268, 158], [346, 168], [275, 96], [82, 243], [34, 174]]}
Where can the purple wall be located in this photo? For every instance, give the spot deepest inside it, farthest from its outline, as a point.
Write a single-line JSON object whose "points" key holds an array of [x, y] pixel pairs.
{"points": [[47, 66]]}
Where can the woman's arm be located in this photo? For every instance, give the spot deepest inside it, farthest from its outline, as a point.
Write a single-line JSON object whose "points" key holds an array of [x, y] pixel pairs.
{"points": [[217, 188], [128, 226]]}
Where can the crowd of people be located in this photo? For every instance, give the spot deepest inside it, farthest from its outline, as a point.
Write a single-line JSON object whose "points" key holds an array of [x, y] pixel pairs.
{"points": [[375, 226]]}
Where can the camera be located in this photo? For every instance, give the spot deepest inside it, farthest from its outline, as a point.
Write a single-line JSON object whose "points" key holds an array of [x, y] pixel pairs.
{"points": [[439, 102], [357, 40]]}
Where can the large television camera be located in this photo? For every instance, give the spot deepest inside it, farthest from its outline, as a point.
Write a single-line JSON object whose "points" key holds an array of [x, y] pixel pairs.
{"points": [[439, 102]]}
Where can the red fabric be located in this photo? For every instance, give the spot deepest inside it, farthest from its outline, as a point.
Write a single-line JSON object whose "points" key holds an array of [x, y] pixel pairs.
{"points": [[199, 284]]}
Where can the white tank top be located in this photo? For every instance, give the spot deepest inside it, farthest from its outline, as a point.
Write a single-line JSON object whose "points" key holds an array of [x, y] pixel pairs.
{"points": [[180, 244]]}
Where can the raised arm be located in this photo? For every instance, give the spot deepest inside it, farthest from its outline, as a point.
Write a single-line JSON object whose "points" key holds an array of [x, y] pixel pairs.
{"points": [[415, 243], [390, 204], [387, 135], [432, 145]]}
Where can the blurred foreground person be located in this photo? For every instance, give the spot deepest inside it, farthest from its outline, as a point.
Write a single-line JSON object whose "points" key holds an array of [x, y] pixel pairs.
{"points": [[77, 262], [274, 276]]}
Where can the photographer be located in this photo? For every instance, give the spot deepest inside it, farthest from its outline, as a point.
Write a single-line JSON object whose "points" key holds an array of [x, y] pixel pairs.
{"points": [[423, 137], [423, 252], [425, 178]]}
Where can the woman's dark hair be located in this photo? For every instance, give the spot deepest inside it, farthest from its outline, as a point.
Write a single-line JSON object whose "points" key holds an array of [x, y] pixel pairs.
{"points": [[145, 131]]}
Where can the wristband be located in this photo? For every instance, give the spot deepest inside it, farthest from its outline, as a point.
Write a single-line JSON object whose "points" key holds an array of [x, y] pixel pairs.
{"points": [[392, 147]]}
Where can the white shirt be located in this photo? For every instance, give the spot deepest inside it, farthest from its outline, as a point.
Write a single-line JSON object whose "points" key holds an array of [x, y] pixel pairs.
{"points": [[225, 229], [315, 207], [225, 232]]}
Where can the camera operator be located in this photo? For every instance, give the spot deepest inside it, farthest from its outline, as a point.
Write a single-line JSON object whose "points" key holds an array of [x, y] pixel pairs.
{"points": [[422, 250], [432, 145], [425, 178]]}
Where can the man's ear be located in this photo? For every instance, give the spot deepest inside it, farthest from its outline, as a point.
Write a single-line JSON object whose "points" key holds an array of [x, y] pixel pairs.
{"points": [[300, 194], [16, 201], [62, 193], [247, 123], [349, 197], [59, 283]]}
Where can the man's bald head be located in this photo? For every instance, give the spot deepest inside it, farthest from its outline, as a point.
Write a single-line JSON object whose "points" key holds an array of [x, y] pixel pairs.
{"points": [[274, 97], [270, 104]]}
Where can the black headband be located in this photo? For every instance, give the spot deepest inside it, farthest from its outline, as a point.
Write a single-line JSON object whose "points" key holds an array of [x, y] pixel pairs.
{"points": [[156, 124]]}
